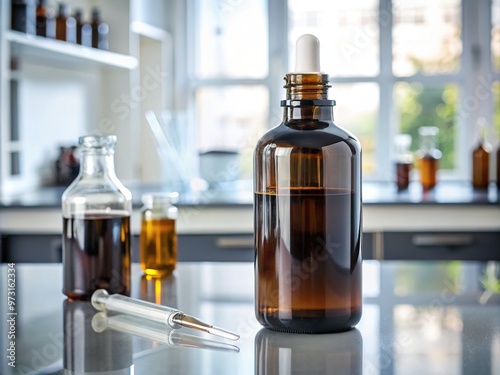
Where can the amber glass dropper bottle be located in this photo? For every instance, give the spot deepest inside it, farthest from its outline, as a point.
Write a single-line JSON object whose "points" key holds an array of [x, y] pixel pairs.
{"points": [[307, 183]]}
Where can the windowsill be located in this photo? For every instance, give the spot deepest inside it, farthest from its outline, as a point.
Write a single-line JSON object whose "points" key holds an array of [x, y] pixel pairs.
{"points": [[374, 193]]}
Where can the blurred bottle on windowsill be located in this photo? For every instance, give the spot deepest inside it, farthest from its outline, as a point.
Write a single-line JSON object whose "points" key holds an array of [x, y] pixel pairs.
{"points": [[498, 167], [404, 160], [481, 159], [429, 156]]}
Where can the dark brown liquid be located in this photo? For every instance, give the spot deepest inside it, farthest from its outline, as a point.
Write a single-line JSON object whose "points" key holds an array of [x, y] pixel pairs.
{"points": [[403, 175], [96, 254], [308, 259]]}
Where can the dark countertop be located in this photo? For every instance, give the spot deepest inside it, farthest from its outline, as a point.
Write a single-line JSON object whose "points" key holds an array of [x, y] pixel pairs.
{"points": [[418, 318], [374, 193]]}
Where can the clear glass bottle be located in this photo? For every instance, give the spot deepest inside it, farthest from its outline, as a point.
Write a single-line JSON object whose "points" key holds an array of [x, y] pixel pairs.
{"points": [[158, 239], [96, 224], [429, 156], [307, 212], [404, 160]]}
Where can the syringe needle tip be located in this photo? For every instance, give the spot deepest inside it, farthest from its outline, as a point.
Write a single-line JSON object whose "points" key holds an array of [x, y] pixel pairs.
{"points": [[189, 321]]}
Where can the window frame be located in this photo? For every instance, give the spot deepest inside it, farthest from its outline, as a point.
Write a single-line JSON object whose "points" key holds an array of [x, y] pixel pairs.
{"points": [[475, 71]]}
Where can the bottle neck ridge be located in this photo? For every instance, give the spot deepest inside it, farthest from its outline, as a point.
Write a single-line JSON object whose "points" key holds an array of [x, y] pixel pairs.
{"points": [[307, 97], [97, 165]]}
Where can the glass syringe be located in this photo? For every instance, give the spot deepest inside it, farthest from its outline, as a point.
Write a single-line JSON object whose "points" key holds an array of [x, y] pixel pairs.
{"points": [[102, 301]]}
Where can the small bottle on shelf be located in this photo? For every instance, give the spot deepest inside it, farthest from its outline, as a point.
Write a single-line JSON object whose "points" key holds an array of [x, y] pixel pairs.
{"points": [[404, 160], [481, 161], [429, 156], [41, 18], [65, 24], [50, 23], [79, 24], [71, 29], [23, 16], [62, 15], [100, 31]]}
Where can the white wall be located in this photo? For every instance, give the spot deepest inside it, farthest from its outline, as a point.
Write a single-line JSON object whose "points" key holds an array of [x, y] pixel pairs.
{"points": [[55, 108]]}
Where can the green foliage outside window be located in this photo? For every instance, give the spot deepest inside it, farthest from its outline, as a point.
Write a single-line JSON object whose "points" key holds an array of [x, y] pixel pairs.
{"points": [[429, 106]]}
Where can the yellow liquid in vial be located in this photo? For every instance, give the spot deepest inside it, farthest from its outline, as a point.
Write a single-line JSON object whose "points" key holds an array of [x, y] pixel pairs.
{"points": [[158, 246]]}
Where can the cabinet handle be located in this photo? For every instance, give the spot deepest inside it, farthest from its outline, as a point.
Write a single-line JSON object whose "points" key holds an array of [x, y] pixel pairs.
{"points": [[424, 240], [244, 242]]}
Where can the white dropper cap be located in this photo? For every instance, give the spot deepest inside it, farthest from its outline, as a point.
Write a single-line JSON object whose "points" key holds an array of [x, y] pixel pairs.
{"points": [[307, 54]]}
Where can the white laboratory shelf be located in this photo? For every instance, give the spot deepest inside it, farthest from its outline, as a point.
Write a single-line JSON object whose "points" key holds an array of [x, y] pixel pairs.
{"points": [[51, 51]]}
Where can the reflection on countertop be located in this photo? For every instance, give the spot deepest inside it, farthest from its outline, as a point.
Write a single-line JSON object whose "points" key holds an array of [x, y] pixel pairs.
{"points": [[240, 193], [418, 318]]}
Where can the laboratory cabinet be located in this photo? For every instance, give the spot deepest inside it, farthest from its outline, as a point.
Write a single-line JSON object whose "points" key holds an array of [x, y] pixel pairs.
{"points": [[238, 247], [423, 245], [47, 248]]}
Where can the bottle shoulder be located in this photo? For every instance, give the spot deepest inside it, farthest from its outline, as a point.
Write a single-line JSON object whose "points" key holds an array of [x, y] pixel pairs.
{"points": [[482, 148], [317, 134], [88, 188]]}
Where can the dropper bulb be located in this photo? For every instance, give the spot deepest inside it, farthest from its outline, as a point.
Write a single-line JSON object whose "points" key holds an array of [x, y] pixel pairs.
{"points": [[307, 54]]}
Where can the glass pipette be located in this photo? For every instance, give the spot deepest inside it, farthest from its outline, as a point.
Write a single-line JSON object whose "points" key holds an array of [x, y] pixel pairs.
{"points": [[102, 301], [155, 331]]}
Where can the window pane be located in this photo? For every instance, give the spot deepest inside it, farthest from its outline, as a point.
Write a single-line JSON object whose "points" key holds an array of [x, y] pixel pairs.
{"points": [[495, 33], [232, 119], [419, 105], [426, 36], [232, 40], [348, 32], [359, 120], [496, 107]]}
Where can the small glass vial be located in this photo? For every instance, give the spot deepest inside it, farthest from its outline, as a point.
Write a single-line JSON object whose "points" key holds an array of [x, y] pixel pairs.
{"points": [[429, 156], [404, 160], [158, 239], [96, 224]]}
